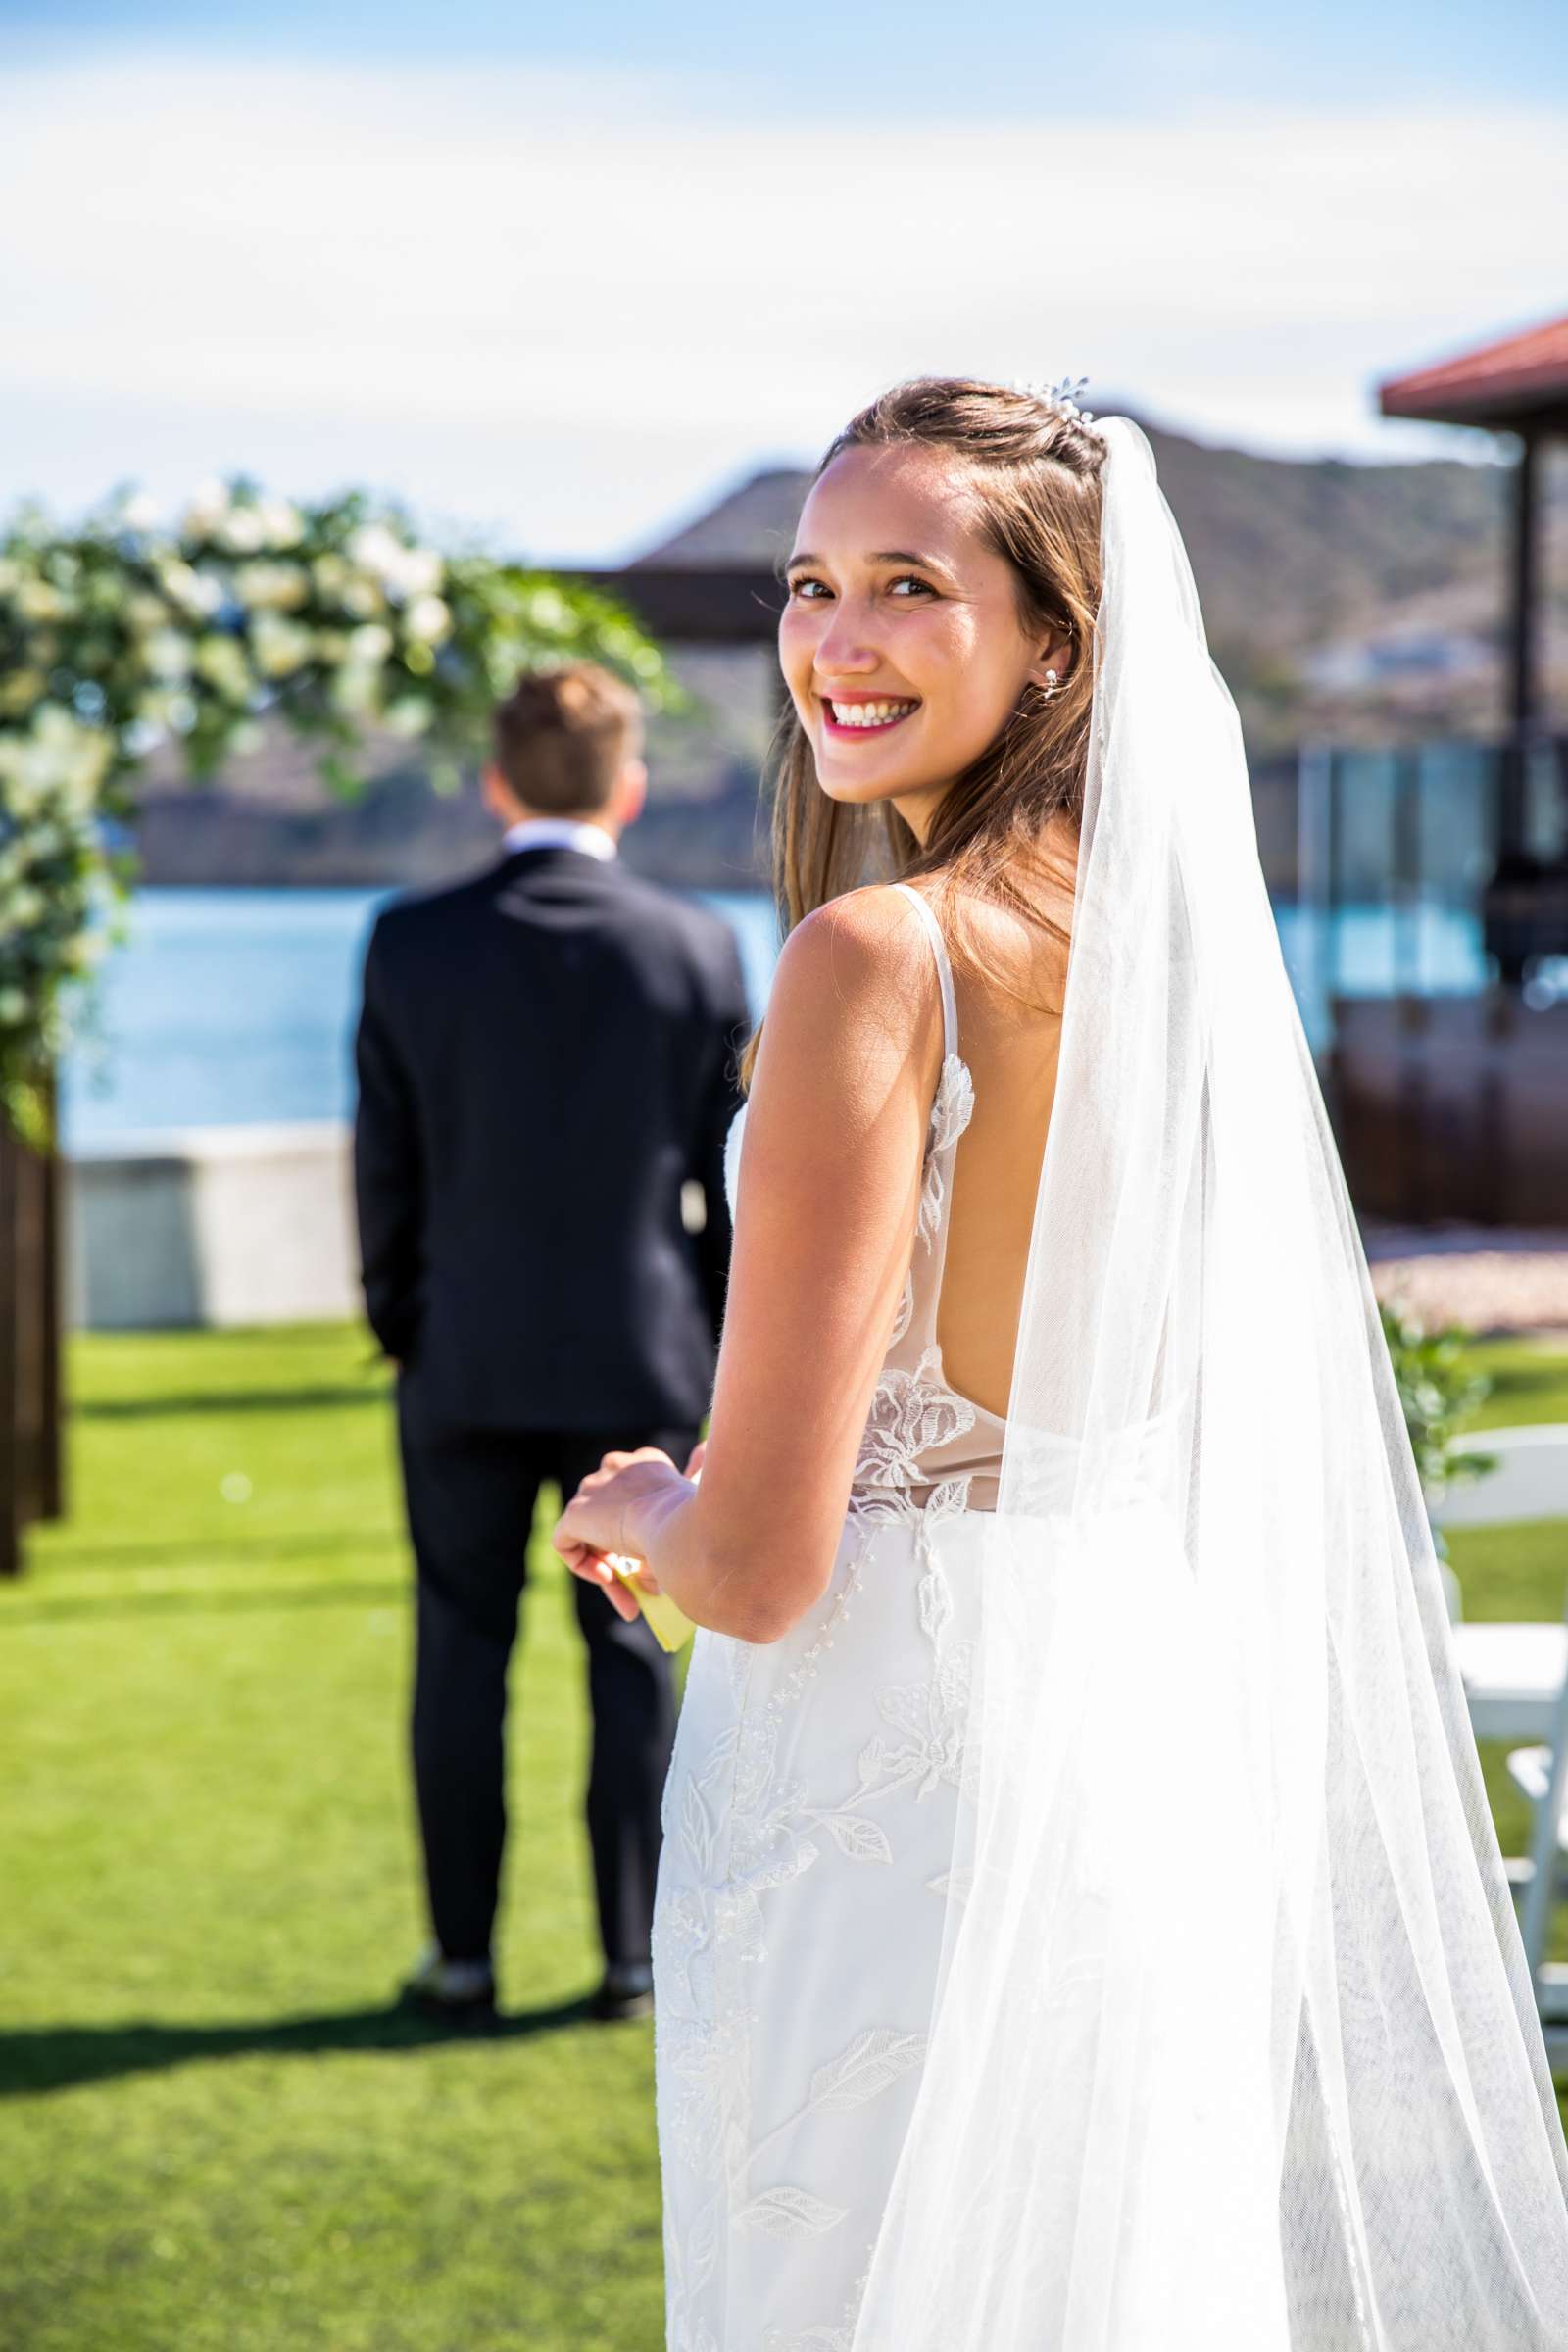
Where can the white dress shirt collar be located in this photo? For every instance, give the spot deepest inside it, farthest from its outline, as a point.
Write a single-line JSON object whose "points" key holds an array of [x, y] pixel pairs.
{"points": [[557, 833]]}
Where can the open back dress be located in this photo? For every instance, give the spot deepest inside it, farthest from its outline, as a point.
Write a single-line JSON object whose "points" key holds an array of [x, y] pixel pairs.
{"points": [[810, 1820]]}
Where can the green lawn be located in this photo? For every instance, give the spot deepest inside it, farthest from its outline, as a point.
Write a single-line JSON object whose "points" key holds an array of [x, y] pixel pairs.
{"points": [[214, 2133]]}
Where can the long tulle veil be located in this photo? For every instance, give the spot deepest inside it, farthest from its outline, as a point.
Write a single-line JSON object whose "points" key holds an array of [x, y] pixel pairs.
{"points": [[1234, 2048]]}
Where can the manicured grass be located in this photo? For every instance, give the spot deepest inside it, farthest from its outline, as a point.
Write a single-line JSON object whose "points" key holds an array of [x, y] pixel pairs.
{"points": [[212, 2131], [1529, 1381], [215, 2134]]}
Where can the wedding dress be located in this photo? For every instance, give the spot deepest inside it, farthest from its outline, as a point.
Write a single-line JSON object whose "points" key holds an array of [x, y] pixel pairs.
{"points": [[1085, 1931], [809, 1836]]}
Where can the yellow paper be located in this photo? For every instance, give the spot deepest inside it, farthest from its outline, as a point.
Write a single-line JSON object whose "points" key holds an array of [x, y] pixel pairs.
{"points": [[671, 1627]]}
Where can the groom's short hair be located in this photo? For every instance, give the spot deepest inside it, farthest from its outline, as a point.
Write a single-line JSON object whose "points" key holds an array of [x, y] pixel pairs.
{"points": [[563, 735]]}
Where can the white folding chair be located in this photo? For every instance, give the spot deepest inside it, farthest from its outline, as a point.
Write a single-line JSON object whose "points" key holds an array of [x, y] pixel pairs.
{"points": [[1516, 1683], [1513, 1673]]}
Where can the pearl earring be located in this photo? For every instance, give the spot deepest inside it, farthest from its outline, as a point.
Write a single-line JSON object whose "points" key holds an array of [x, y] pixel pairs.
{"points": [[1052, 685]]}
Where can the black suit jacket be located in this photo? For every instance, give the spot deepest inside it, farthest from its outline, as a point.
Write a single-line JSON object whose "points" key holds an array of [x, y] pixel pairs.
{"points": [[545, 1056]]}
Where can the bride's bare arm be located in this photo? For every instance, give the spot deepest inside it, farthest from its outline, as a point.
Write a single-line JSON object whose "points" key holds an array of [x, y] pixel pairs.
{"points": [[830, 1176]]}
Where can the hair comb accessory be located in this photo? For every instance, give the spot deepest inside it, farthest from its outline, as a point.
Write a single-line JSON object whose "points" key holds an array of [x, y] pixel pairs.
{"points": [[1062, 396]]}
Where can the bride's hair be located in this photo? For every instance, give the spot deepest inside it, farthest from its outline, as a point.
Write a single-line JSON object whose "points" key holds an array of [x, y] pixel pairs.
{"points": [[1036, 472]]}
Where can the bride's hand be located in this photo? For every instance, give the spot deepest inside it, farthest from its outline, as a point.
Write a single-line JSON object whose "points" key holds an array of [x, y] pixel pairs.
{"points": [[593, 1527]]}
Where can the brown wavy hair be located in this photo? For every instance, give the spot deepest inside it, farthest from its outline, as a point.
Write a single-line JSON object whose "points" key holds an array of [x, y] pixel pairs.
{"points": [[1038, 477]]}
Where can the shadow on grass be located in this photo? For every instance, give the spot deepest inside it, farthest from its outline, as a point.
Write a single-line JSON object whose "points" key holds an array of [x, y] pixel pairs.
{"points": [[209, 1602], [210, 1551], [162, 1407], [49, 2058]]}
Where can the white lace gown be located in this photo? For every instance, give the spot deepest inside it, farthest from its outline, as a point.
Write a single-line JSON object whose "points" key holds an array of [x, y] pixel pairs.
{"points": [[810, 1820]]}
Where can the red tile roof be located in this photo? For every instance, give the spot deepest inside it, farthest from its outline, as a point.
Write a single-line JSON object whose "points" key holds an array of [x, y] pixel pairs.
{"points": [[1496, 382]]}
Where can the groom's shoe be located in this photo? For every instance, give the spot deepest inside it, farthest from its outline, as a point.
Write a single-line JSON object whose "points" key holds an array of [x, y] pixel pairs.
{"points": [[458, 1992], [626, 1991]]}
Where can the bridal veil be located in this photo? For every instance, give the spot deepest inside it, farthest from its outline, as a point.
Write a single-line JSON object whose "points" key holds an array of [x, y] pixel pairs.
{"points": [[1234, 2048]]}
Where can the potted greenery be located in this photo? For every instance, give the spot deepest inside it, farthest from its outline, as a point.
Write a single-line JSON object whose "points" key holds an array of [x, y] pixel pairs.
{"points": [[1438, 1392]]}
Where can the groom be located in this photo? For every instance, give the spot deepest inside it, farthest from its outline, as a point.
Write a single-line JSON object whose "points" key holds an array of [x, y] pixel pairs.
{"points": [[546, 1055]]}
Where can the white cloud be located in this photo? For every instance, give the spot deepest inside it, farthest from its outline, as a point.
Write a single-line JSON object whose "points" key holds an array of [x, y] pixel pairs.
{"points": [[561, 306]]}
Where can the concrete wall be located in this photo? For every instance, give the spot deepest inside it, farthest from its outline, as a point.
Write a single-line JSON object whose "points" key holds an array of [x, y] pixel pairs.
{"points": [[221, 1225], [212, 1225]]}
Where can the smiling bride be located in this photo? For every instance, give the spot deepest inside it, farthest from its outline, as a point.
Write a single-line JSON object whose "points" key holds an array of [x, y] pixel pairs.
{"points": [[1080, 1923]]}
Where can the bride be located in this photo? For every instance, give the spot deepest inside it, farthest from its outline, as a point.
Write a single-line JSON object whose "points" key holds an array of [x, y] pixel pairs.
{"points": [[1080, 1923]]}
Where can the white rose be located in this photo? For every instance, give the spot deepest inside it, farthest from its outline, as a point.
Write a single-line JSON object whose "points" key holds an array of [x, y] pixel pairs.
{"points": [[168, 654], [370, 644], [196, 591], [355, 691], [242, 531], [26, 904], [209, 504], [139, 512], [373, 548], [280, 646], [422, 571], [409, 716], [39, 600], [281, 586], [283, 523], [427, 617], [222, 664], [13, 1008]]}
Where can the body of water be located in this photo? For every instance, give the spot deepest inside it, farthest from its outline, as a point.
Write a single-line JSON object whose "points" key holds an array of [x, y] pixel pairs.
{"points": [[228, 1006]]}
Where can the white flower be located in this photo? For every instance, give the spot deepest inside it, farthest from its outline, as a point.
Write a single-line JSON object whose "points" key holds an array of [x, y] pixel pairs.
{"points": [[20, 689], [241, 530], [279, 646], [27, 904], [357, 691], [283, 523], [39, 600], [13, 1008], [139, 512], [195, 591], [271, 586], [409, 716], [369, 645], [209, 504], [427, 617], [405, 572], [373, 548], [221, 662], [168, 654], [363, 597]]}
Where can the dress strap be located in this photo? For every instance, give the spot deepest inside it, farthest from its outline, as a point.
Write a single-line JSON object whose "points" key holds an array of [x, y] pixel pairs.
{"points": [[939, 948]]}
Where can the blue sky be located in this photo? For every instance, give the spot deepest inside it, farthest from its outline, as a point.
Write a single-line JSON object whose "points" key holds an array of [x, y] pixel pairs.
{"points": [[820, 56], [562, 281]]}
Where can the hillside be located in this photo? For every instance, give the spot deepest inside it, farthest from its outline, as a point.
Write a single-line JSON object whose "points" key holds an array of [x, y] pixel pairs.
{"points": [[1357, 602]]}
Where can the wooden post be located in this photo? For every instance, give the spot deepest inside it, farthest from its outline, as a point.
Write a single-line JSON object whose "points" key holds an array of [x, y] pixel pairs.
{"points": [[1524, 574], [10, 1317], [31, 1467], [51, 1307]]}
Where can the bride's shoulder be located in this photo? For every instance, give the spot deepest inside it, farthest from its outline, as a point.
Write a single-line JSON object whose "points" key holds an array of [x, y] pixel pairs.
{"points": [[861, 949], [863, 953]]}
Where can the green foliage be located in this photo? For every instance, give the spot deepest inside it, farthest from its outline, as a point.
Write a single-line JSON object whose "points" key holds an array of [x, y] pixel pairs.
{"points": [[1440, 1390], [122, 634]]}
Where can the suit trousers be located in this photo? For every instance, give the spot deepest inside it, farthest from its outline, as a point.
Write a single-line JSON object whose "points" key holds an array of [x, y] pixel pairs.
{"points": [[471, 1496]]}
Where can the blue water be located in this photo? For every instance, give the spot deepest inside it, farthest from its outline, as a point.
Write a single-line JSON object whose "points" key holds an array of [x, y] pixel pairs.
{"points": [[225, 1007], [232, 1006]]}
